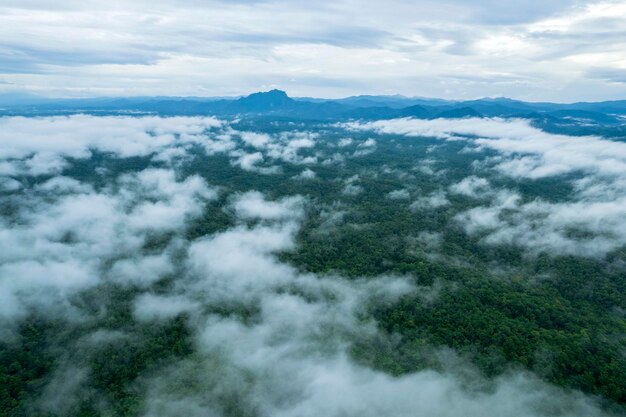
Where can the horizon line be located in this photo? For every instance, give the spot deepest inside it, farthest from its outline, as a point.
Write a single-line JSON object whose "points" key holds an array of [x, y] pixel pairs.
{"points": [[25, 94]]}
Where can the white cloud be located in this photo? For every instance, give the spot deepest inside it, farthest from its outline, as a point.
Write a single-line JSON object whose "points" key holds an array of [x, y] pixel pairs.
{"points": [[399, 195], [44, 163], [471, 186], [448, 48], [141, 271], [65, 234], [552, 228], [345, 142], [74, 136], [292, 360], [253, 205], [290, 357], [248, 161], [287, 147], [64, 185], [161, 307], [534, 153], [525, 152], [301, 143], [237, 263], [306, 174], [488, 218], [434, 200], [351, 187], [257, 140], [9, 184], [40, 146], [41, 284], [368, 143]]}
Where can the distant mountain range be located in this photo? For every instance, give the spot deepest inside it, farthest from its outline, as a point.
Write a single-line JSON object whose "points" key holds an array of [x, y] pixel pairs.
{"points": [[276, 103]]}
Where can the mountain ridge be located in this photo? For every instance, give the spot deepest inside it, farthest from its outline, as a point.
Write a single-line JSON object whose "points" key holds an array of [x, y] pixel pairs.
{"points": [[607, 118]]}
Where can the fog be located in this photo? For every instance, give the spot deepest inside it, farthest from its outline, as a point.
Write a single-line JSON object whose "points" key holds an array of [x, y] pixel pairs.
{"points": [[283, 347], [597, 167]]}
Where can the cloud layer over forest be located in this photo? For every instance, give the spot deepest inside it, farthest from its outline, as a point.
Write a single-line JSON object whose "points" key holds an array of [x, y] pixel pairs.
{"points": [[596, 167], [284, 346]]}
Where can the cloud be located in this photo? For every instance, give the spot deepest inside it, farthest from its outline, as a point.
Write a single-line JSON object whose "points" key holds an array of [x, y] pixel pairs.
{"points": [[292, 359], [141, 271], [323, 48], [248, 161], [149, 307], [351, 187], [471, 186], [219, 261], [434, 200], [368, 143], [288, 146], [345, 142], [267, 337], [65, 234], [253, 205], [527, 152], [9, 184], [41, 146], [533, 153], [589, 225], [60, 396], [257, 140], [399, 195], [576, 228], [284, 147], [74, 136], [306, 174], [41, 285]]}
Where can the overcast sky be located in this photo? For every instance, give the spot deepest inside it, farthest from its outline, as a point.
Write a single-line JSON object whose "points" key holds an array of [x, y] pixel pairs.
{"points": [[535, 50]]}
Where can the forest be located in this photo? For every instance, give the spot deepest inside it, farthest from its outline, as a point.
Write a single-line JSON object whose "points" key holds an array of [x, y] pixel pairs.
{"points": [[201, 264]]}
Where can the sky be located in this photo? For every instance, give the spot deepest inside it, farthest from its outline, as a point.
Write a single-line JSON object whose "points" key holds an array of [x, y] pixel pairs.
{"points": [[535, 50]]}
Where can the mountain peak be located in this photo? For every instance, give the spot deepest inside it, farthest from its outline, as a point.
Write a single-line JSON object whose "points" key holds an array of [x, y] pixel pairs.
{"points": [[266, 100], [275, 94]]}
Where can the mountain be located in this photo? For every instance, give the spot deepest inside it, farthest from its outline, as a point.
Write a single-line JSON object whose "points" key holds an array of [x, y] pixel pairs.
{"points": [[274, 100], [395, 101], [21, 99], [374, 112], [615, 107], [586, 117], [606, 118], [458, 113], [417, 111]]}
